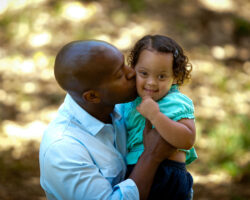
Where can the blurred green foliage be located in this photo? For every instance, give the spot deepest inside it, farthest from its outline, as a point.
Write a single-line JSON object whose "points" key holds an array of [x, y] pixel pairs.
{"points": [[242, 26]]}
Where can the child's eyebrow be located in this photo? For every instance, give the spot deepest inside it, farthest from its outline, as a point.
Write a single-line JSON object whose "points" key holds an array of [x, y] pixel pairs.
{"points": [[141, 68]]}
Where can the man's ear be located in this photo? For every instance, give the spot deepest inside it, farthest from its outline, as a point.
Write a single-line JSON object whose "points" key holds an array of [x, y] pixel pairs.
{"points": [[91, 96]]}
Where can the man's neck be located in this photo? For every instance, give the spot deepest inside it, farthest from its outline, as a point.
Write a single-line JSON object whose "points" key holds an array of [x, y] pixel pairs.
{"points": [[100, 112], [97, 110]]}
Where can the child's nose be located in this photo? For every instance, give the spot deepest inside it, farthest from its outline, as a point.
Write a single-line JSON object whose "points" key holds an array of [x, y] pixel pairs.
{"points": [[130, 72], [151, 81]]}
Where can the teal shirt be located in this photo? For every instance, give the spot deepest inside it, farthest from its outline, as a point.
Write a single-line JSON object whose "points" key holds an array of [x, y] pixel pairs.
{"points": [[175, 105]]}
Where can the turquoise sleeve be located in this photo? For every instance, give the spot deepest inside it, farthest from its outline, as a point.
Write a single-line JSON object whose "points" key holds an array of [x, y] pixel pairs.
{"points": [[177, 106]]}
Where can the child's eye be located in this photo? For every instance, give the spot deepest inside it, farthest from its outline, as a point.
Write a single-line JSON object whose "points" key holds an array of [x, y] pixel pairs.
{"points": [[161, 77], [143, 73]]}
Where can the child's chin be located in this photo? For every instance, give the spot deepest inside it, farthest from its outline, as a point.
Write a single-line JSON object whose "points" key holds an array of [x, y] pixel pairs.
{"points": [[157, 98], [153, 97]]}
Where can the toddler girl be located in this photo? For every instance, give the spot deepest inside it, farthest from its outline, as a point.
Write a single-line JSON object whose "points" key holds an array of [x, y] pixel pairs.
{"points": [[161, 67]]}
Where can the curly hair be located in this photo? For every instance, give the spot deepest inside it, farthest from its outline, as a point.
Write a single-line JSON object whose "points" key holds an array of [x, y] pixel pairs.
{"points": [[181, 66]]}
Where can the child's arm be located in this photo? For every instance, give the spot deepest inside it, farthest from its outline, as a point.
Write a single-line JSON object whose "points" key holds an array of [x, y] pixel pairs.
{"points": [[180, 134]]}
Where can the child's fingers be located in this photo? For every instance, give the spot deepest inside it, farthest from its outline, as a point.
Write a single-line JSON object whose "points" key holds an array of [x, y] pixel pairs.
{"points": [[146, 97]]}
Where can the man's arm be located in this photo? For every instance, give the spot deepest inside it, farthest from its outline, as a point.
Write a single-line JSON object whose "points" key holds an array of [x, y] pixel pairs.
{"points": [[69, 172], [156, 149]]}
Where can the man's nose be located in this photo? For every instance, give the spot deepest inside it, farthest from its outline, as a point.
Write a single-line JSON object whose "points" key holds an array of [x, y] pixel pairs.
{"points": [[130, 72]]}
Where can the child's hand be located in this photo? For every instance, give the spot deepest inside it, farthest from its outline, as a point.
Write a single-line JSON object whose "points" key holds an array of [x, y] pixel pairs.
{"points": [[148, 108]]}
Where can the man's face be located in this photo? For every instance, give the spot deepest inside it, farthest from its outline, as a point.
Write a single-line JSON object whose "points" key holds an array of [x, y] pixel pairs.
{"points": [[119, 83]]}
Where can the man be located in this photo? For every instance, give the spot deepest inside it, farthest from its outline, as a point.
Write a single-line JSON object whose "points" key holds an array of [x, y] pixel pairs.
{"points": [[82, 151]]}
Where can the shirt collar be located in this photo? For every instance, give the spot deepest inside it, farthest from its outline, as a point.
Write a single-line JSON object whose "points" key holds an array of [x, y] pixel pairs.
{"points": [[116, 114], [90, 123]]}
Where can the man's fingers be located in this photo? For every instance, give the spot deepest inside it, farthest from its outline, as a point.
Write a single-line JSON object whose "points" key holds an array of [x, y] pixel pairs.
{"points": [[148, 126]]}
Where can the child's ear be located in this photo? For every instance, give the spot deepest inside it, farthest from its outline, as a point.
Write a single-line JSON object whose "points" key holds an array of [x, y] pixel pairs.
{"points": [[91, 96]]}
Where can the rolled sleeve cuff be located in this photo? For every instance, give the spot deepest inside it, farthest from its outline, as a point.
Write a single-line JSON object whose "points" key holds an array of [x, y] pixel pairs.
{"points": [[128, 190]]}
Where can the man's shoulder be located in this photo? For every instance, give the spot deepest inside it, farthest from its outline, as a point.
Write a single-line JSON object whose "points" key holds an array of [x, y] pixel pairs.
{"points": [[55, 133]]}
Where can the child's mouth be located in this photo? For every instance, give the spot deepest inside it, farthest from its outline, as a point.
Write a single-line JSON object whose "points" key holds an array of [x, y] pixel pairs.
{"points": [[150, 91]]}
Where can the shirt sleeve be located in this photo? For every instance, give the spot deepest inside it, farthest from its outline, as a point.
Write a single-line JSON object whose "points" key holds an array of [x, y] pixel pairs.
{"points": [[177, 106], [69, 173]]}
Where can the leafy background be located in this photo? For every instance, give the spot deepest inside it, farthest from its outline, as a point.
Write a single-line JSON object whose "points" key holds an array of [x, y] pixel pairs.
{"points": [[214, 34]]}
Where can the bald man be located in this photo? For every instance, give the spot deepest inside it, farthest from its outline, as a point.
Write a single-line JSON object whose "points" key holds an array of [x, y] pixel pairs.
{"points": [[83, 149]]}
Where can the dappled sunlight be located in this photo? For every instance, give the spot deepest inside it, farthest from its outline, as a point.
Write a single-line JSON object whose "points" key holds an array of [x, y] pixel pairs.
{"points": [[214, 34], [103, 37], [211, 106], [218, 52], [37, 65], [33, 130], [44, 116], [132, 33], [17, 65], [41, 60], [230, 51], [214, 178], [219, 5], [16, 134], [119, 18], [21, 31], [8, 99], [3, 6], [40, 39], [244, 8], [126, 36], [202, 66], [3, 95], [124, 41], [234, 6], [246, 67], [29, 87], [213, 103], [242, 102], [42, 19], [13, 5], [76, 11]]}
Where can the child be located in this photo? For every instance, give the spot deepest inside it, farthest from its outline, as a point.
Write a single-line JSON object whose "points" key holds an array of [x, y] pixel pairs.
{"points": [[161, 67]]}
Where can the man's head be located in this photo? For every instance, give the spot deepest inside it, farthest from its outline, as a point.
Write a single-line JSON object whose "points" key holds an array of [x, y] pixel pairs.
{"points": [[94, 72]]}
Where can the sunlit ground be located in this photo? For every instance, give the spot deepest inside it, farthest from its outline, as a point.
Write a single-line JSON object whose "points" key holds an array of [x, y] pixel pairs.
{"points": [[218, 47]]}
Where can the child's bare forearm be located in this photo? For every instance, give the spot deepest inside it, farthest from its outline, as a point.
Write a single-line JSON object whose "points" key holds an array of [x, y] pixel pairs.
{"points": [[180, 134]]}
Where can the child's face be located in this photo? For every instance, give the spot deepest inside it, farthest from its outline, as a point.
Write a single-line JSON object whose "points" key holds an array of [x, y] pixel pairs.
{"points": [[154, 74]]}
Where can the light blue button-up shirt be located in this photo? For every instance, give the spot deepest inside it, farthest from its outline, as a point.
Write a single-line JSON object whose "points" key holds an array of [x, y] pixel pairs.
{"points": [[83, 158]]}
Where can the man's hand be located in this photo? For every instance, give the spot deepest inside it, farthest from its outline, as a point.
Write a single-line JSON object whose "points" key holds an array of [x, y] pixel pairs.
{"points": [[156, 150], [148, 108], [155, 145]]}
